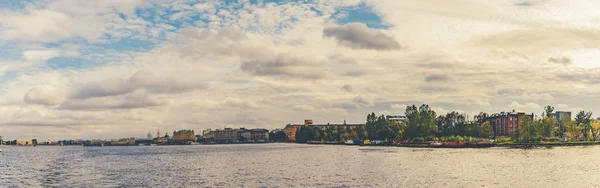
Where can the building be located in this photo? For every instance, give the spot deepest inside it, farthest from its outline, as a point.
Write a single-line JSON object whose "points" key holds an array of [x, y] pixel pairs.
{"points": [[227, 135], [23, 142], [396, 118], [291, 129], [260, 135], [505, 123], [184, 136], [244, 135], [562, 116], [205, 132]]}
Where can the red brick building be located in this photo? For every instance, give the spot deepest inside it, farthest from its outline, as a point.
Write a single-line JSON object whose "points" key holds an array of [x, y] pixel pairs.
{"points": [[505, 123]]}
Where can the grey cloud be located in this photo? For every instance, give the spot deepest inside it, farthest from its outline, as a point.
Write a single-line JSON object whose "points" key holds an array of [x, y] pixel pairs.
{"points": [[437, 78], [136, 99], [525, 3], [240, 103], [436, 65], [140, 80], [355, 73], [283, 64], [560, 60], [359, 36], [347, 88], [339, 58], [362, 101], [435, 89], [589, 77], [513, 92]]}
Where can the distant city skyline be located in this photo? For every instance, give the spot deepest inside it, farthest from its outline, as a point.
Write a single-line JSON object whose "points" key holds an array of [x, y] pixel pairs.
{"points": [[114, 69]]}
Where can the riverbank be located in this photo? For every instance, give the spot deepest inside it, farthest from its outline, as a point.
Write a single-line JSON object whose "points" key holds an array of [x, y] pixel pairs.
{"points": [[471, 145]]}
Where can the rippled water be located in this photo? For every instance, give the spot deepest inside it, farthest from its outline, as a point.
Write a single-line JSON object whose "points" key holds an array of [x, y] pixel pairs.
{"points": [[293, 165]]}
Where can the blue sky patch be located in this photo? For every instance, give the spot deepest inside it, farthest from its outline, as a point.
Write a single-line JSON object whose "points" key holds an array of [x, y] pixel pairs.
{"points": [[363, 14]]}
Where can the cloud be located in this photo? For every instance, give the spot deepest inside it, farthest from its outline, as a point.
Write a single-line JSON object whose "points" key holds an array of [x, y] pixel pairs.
{"points": [[537, 97], [146, 80], [398, 106], [304, 107], [40, 55], [359, 36], [347, 88], [240, 103], [357, 73], [435, 89], [527, 107], [283, 65], [525, 3], [560, 60], [137, 99], [437, 78], [362, 101], [45, 95]]}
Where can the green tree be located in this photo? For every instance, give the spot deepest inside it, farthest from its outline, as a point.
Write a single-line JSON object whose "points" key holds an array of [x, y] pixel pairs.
{"points": [[371, 125], [595, 130], [361, 132], [485, 130], [529, 131], [572, 129], [549, 110], [421, 121], [549, 125], [583, 120]]}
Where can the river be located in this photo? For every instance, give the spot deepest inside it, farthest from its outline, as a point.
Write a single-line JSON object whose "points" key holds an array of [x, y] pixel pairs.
{"points": [[296, 165]]}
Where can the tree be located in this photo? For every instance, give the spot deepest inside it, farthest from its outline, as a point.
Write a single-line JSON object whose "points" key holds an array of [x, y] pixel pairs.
{"points": [[548, 125], [528, 131], [549, 110], [361, 132], [485, 130], [572, 129], [427, 121], [583, 120], [371, 125], [595, 129]]}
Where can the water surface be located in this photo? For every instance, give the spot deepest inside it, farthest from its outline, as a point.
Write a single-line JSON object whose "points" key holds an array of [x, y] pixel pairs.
{"points": [[294, 165]]}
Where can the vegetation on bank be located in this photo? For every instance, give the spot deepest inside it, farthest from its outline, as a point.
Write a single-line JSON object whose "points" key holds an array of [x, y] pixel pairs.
{"points": [[423, 124], [548, 129]]}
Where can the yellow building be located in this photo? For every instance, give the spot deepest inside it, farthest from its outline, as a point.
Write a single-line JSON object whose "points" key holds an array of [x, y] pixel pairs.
{"points": [[24, 143], [184, 136]]}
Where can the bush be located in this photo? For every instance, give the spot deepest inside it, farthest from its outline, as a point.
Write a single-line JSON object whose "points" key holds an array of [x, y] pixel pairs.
{"points": [[451, 139], [502, 140]]}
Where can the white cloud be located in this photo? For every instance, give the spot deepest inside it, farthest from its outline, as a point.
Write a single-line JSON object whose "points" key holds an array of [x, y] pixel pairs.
{"points": [[40, 55], [46, 95], [398, 106], [527, 107]]}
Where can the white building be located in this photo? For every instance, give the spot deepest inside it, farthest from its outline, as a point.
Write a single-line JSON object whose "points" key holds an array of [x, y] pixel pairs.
{"points": [[396, 118]]}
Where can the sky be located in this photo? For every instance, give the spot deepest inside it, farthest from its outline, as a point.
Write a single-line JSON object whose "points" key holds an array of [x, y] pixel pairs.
{"points": [[122, 68]]}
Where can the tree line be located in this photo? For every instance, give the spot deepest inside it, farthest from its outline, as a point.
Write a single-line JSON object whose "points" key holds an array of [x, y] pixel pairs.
{"points": [[548, 128], [421, 124]]}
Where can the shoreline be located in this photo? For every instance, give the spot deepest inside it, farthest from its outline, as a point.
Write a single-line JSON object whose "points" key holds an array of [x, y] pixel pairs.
{"points": [[406, 145]]}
